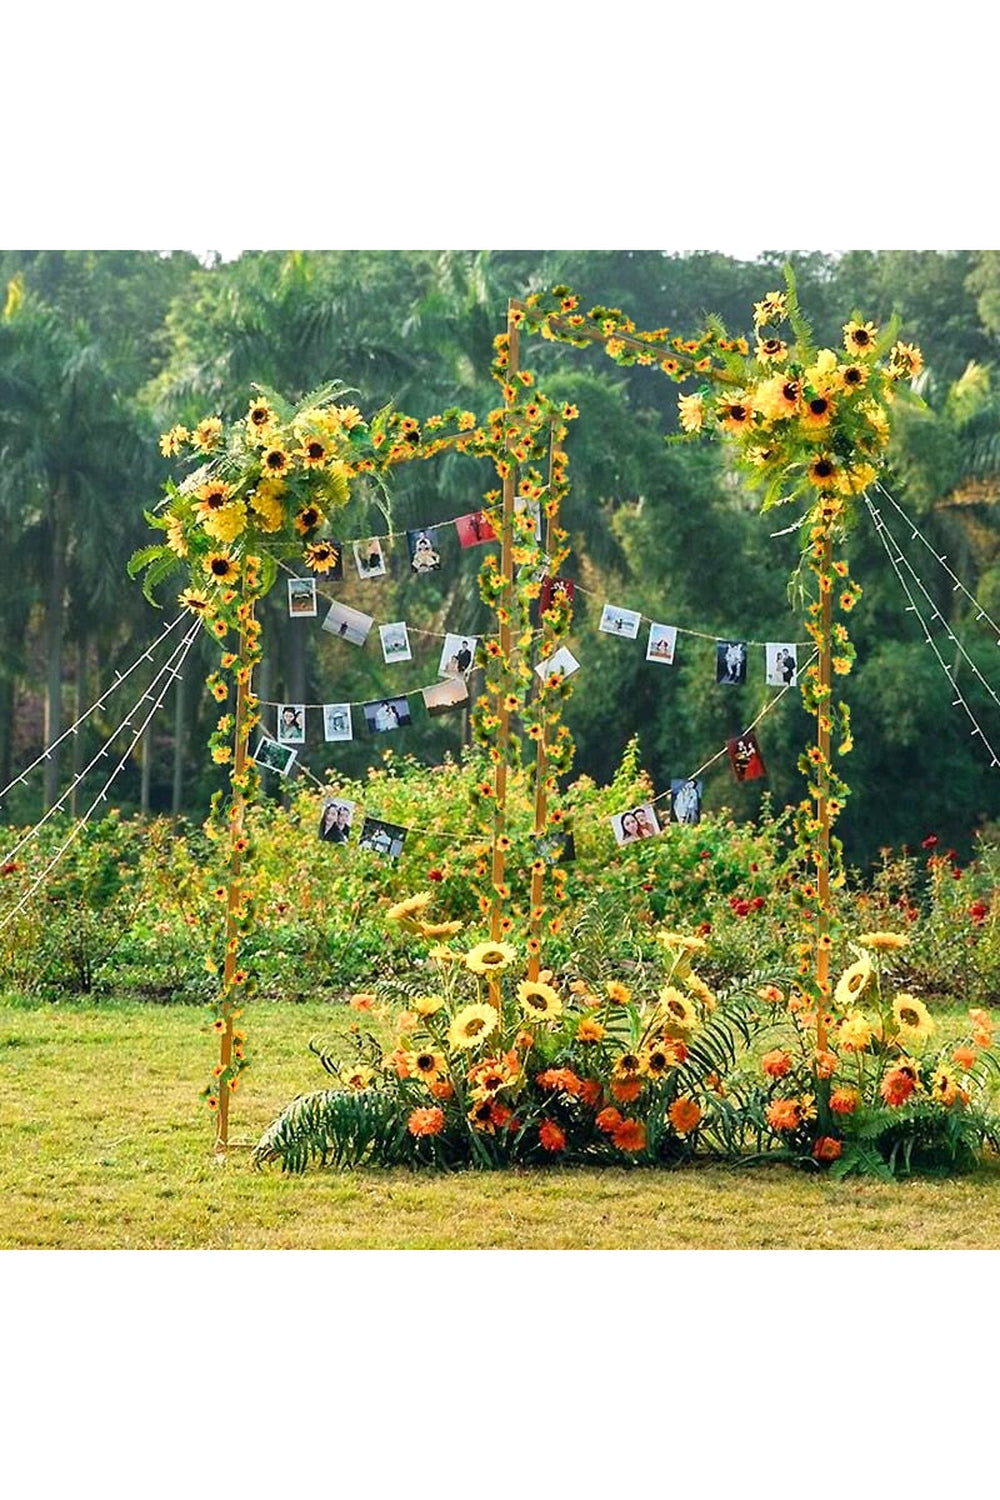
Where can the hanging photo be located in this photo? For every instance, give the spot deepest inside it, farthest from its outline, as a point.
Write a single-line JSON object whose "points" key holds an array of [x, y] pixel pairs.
{"points": [[445, 697], [302, 596], [457, 655], [624, 622], [782, 664], [474, 529], [384, 714], [424, 554], [335, 820], [385, 839], [348, 624], [270, 756], [556, 846], [745, 757], [662, 643], [395, 642], [562, 662], [685, 800], [731, 662], [637, 823], [533, 508], [291, 723], [556, 592], [369, 558], [337, 722]]}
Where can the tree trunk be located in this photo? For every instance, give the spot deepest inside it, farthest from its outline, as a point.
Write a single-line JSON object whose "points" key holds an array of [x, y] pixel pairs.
{"points": [[54, 627], [79, 708], [177, 790]]}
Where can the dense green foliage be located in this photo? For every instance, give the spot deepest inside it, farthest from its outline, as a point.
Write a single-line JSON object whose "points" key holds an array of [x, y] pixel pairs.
{"points": [[100, 351]]}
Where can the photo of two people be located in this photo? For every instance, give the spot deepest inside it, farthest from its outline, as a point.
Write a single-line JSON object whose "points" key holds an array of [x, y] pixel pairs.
{"points": [[637, 823], [335, 820]]}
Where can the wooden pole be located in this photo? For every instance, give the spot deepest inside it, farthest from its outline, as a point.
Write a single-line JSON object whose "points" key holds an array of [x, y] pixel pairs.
{"points": [[504, 641], [823, 799], [541, 770], [234, 898]]}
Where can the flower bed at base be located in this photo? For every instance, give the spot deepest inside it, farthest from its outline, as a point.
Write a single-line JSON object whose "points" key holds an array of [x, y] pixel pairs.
{"points": [[490, 1069]]}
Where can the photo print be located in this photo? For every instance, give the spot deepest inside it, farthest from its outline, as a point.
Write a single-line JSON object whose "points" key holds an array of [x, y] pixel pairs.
{"points": [[624, 622], [270, 756], [384, 714], [369, 558], [337, 722], [385, 839], [423, 547], [731, 662], [458, 655], [556, 591], [335, 820], [562, 661], [555, 846], [348, 624], [474, 529], [662, 643], [745, 757], [685, 800], [395, 642], [637, 823], [523, 505], [291, 723], [782, 660], [445, 697], [302, 596]]}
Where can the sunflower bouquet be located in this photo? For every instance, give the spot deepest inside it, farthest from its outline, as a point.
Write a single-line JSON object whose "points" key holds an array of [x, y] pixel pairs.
{"points": [[869, 1086], [489, 1067]]}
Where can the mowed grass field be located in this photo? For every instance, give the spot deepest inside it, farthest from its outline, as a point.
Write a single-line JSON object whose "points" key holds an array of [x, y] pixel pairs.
{"points": [[105, 1144]]}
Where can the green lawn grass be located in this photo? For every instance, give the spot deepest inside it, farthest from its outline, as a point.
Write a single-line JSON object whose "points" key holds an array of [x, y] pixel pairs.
{"points": [[105, 1144]]}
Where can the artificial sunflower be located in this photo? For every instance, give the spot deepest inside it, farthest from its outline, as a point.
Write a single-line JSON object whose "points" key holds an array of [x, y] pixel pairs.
{"points": [[912, 1017], [195, 600], [275, 462], [221, 567], [589, 1030], [472, 1025], [322, 556], [735, 414], [307, 519], [428, 1066], [852, 981], [823, 471], [260, 417], [539, 1000], [883, 941], [859, 338], [427, 1005], [678, 1010], [944, 1086], [409, 908], [490, 958]]}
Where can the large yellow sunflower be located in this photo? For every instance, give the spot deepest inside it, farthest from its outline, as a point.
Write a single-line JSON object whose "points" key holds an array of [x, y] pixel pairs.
{"points": [[275, 462], [912, 1017], [472, 1025], [883, 941], [490, 958], [678, 1011], [539, 1000], [852, 981]]}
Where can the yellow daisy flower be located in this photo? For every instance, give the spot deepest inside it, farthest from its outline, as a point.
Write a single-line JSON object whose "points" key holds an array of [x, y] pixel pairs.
{"points": [[678, 1010], [221, 568], [859, 338]]}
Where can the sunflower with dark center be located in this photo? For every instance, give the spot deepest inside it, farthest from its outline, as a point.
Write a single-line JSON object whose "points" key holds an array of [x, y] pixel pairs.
{"points": [[628, 1066], [276, 463], [213, 496], [260, 414], [307, 519], [735, 415], [859, 338], [314, 452], [853, 377], [822, 471], [221, 568], [321, 556]]}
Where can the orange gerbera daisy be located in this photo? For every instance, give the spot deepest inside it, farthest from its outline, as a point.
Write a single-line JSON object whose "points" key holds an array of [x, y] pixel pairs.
{"points": [[784, 1114], [684, 1115], [589, 1030], [630, 1135], [777, 1063], [428, 1121], [844, 1101], [608, 1120], [897, 1086], [827, 1148], [551, 1136]]}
